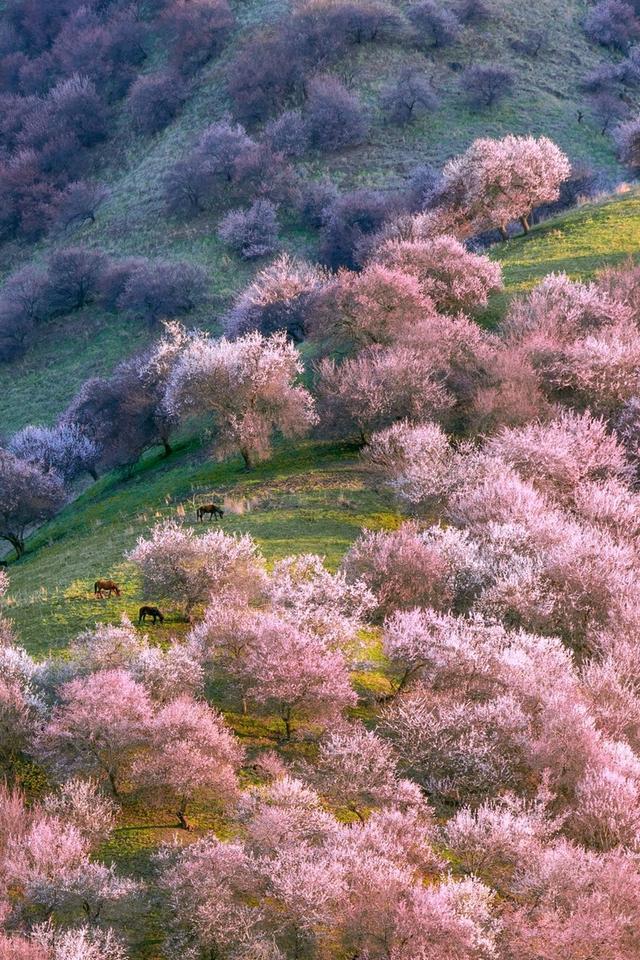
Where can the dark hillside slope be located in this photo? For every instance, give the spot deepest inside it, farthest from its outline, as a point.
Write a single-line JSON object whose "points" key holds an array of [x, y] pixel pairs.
{"points": [[546, 99]]}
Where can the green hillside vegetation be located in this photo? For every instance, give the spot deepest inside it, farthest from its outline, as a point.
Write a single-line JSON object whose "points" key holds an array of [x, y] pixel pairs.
{"points": [[545, 100]]}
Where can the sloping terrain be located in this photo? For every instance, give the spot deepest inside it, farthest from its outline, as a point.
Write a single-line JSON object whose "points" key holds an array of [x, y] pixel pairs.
{"points": [[308, 499], [546, 99]]}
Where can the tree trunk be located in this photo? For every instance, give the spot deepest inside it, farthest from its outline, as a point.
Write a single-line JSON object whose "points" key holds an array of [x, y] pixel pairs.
{"points": [[246, 456], [503, 233], [93, 473], [17, 543], [112, 781], [525, 224], [285, 713], [167, 447], [182, 818]]}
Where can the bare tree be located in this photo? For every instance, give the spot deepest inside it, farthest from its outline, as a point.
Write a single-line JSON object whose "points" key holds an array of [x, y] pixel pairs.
{"points": [[253, 232], [410, 93], [484, 85]]}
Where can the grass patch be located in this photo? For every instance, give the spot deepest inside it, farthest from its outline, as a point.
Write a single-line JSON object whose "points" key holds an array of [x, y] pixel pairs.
{"points": [[307, 499], [579, 243]]}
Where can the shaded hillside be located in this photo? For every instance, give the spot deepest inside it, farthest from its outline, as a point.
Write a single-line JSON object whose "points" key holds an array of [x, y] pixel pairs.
{"points": [[545, 99]]}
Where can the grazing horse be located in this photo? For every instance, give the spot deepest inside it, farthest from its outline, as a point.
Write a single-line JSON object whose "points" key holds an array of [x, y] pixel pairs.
{"points": [[109, 585], [211, 509], [149, 612]]}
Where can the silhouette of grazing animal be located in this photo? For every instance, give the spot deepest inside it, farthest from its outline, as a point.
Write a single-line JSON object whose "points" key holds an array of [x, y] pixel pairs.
{"points": [[100, 586], [211, 509], [149, 612]]}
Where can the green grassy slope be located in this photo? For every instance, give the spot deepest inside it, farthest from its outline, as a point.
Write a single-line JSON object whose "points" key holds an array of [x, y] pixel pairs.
{"points": [[579, 243], [545, 101], [307, 499]]}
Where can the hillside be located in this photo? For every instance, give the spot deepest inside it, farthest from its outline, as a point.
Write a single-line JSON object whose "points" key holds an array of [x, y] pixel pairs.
{"points": [[391, 706], [545, 99], [312, 499]]}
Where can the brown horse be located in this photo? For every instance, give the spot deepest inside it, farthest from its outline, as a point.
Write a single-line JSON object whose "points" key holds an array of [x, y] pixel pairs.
{"points": [[149, 612], [211, 509], [109, 585]]}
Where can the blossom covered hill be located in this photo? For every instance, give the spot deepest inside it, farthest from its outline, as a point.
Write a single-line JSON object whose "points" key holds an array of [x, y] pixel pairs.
{"points": [[319, 480]]}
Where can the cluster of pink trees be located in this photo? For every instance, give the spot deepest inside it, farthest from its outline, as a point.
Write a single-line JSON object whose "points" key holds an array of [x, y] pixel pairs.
{"points": [[414, 353], [567, 342], [48, 879], [490, 809], [248, 389], [493, 805]]}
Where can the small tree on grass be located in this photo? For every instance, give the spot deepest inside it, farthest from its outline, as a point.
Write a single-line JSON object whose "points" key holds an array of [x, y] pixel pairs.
{"points": [[485, 85], [251, 233], [193, 756], [248, 386], [627, 137], [180, 567], [73, 278], [154, 100], [288, 134], [163, 290], [472, 11], [531, 43], [27, 496], [79, 203], [335, 118], [435, 25], [114, 279], [408, 95], [24, 304], [608, 109], [196, 31]]}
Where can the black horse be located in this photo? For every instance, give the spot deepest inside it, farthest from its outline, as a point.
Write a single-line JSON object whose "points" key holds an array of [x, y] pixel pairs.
{"points": [[149, 612]]}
